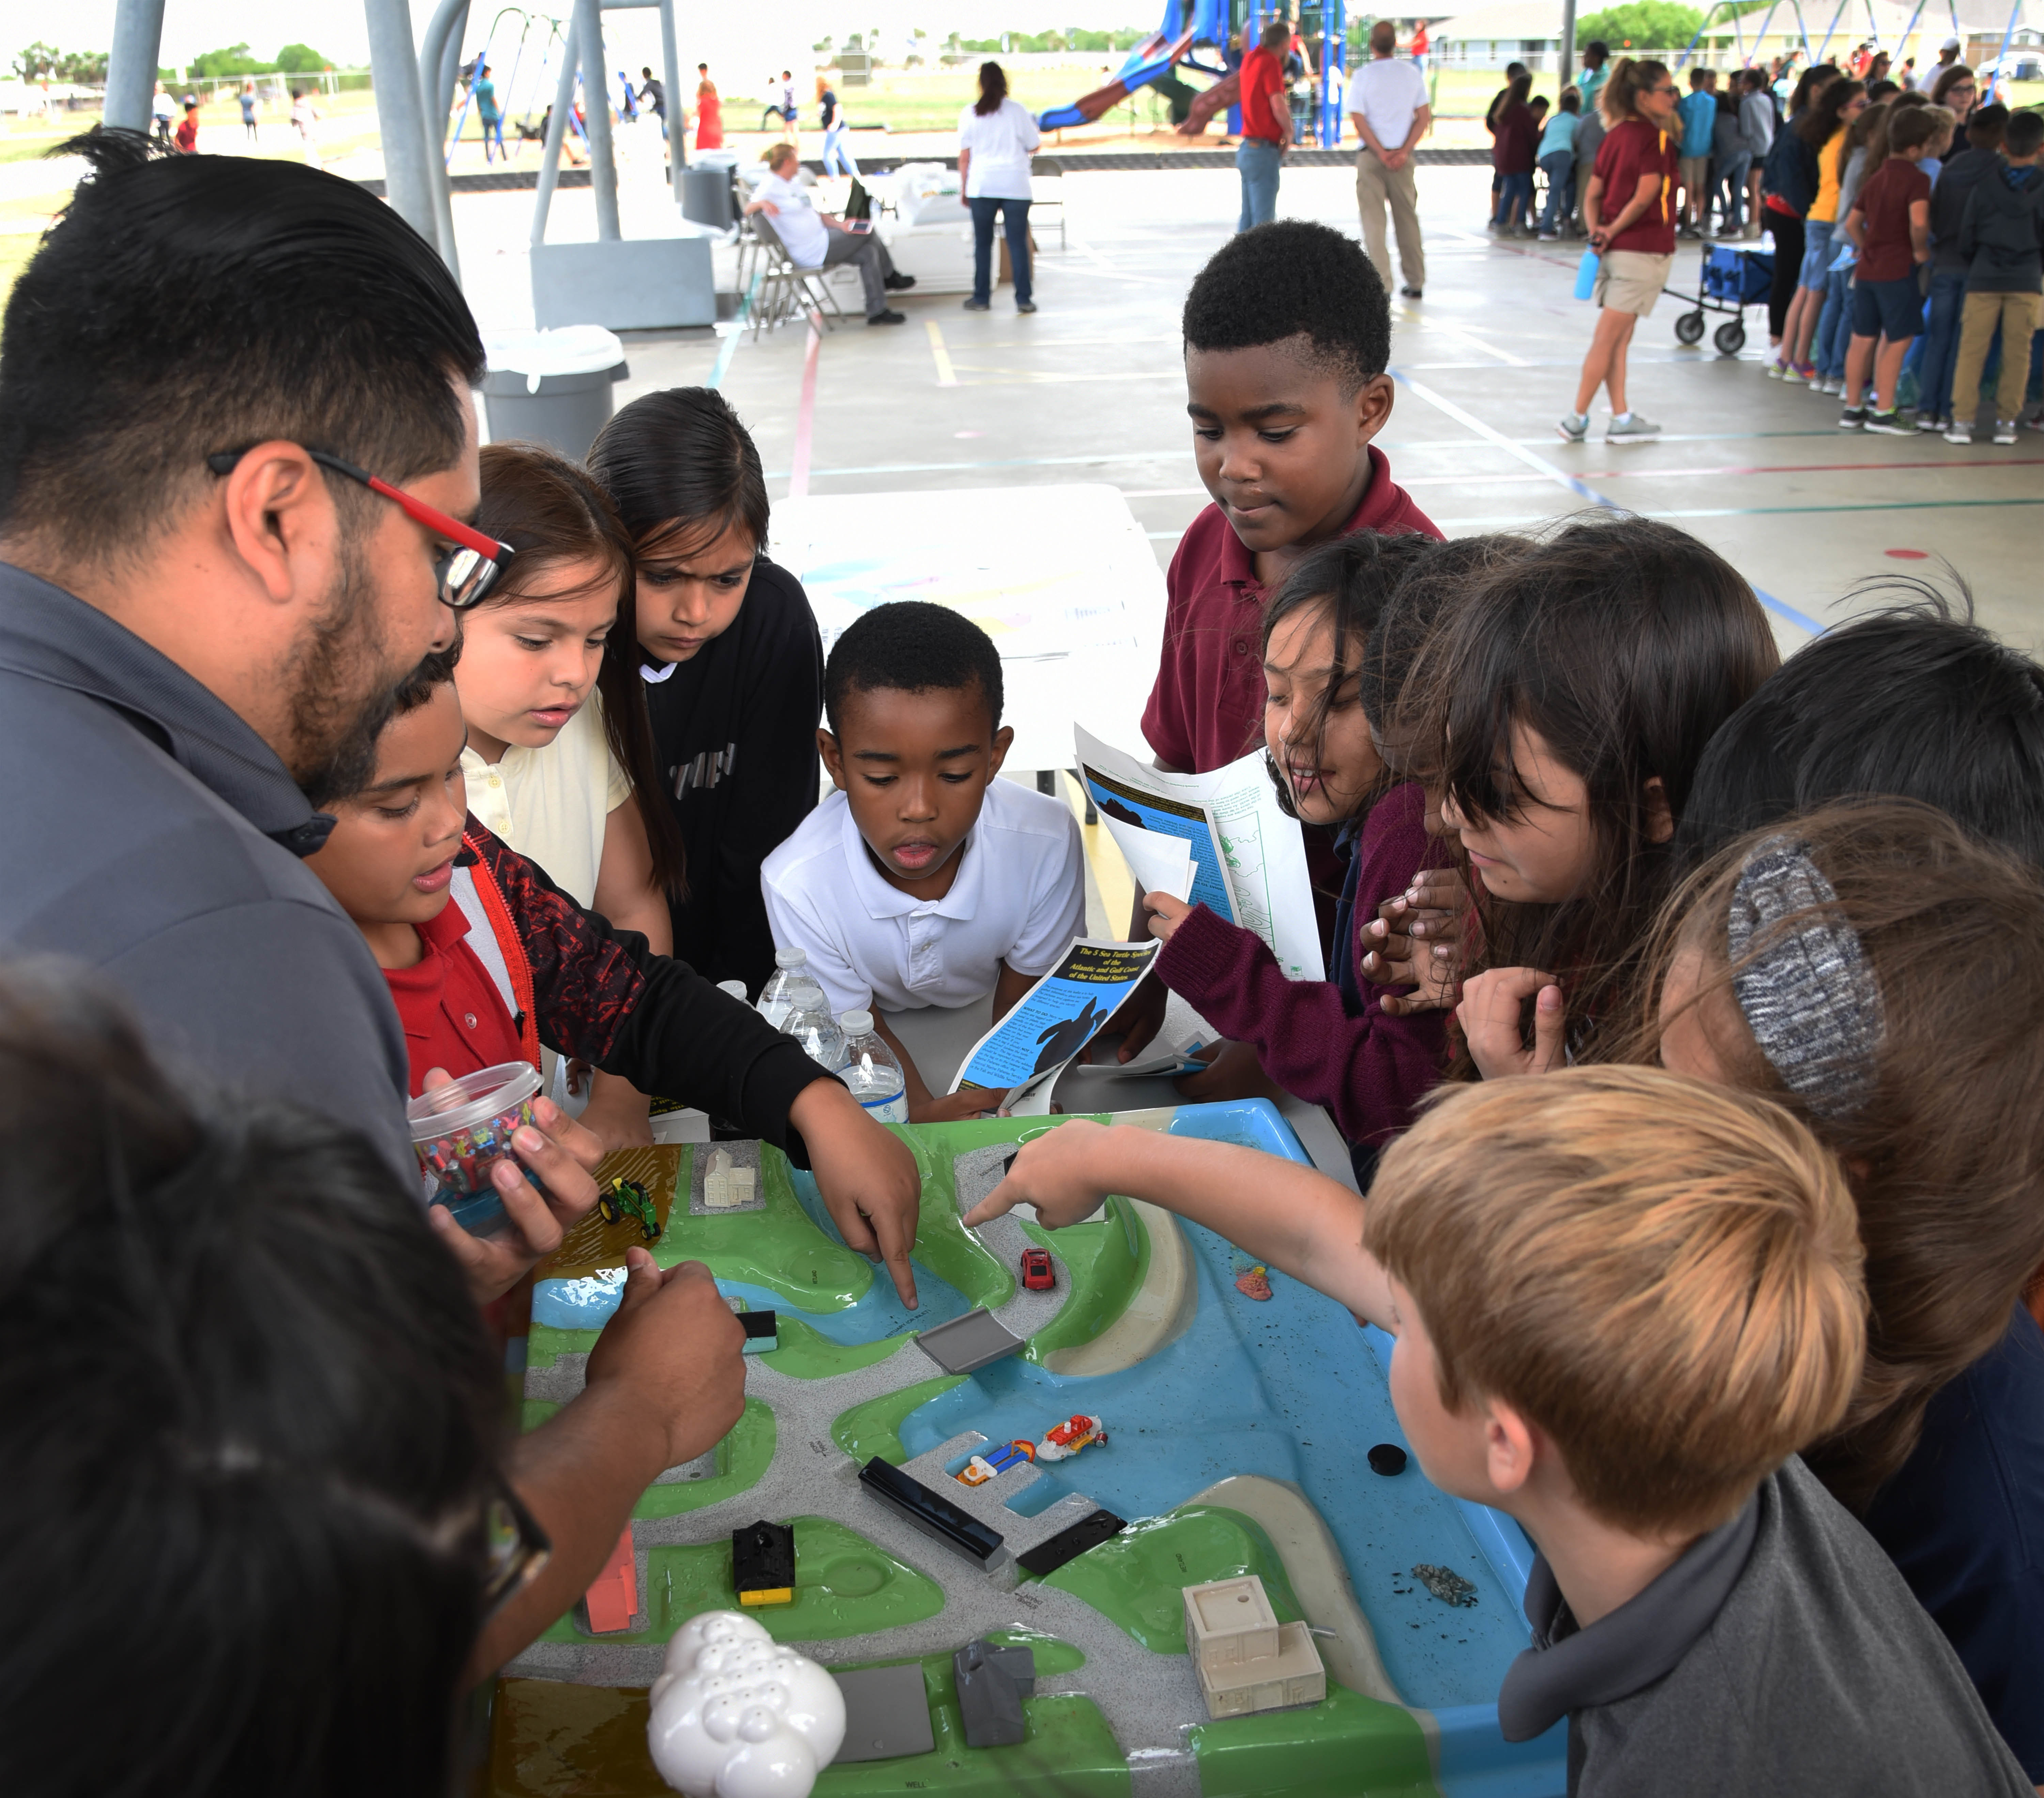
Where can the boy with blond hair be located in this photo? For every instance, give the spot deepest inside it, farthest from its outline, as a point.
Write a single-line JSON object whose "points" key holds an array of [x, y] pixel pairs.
{"points": [[1622, 1300]]}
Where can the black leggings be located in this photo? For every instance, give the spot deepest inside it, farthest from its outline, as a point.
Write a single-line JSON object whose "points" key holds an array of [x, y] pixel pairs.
{"points": [[1787, 230]]}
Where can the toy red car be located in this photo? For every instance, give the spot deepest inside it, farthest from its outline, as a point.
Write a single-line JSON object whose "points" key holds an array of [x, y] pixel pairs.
{"points": [[1036, 1274]]}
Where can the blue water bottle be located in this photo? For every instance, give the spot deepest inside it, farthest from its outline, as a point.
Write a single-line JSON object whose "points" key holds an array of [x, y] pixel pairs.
{"points": [[1586, 275]]}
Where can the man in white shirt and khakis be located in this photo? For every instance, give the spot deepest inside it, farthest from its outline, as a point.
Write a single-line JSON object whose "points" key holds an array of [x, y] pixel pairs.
{"points": [[1389, 101]]}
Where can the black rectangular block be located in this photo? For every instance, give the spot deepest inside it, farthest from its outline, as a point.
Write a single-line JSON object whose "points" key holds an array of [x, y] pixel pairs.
{"points": [[931, 1512], [1049, 1555]]}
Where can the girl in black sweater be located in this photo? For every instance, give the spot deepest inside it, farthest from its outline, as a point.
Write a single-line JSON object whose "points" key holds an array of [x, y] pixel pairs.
{"points": [[731, 659]]}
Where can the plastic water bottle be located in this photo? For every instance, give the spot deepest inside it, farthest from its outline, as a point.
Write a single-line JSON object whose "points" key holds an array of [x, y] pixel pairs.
{"points": [[736, 988], [790, 979], [871, 1071], [1586, 275], [809, 1020]]}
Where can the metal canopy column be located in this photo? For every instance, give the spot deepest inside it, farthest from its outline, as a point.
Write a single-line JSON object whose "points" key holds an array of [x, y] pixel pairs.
{"points": [[671, 61], [132, 65], [596, 106], [400, 114]]}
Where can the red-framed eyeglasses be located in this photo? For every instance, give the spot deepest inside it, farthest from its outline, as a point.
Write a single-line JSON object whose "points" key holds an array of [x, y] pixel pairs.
{"points": [[467, 571]]}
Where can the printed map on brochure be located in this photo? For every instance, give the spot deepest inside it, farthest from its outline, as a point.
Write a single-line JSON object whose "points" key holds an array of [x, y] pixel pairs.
{"points": [[1249, 857]]}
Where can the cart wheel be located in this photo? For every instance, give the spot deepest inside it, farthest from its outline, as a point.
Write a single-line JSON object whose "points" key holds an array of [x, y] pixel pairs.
{"points": [[1689, 328], [1731, 338]]}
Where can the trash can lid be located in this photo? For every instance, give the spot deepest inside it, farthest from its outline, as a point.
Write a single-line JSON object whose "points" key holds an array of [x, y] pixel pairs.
{"points": [[570, 349]]}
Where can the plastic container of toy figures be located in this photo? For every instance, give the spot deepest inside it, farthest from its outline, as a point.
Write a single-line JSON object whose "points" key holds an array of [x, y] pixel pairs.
{"points": [[463, 1129]]}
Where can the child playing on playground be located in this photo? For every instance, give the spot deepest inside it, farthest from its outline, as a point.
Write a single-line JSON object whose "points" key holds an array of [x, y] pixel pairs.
{"points": [[1287, 332], [1572, 697], [924, 879], [1331, 725], [513, 963], [1623, 1301], [1889, 225]]}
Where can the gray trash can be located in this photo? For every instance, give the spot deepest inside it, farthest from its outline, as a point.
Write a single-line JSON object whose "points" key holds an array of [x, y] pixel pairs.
{"points": [[552, 387], [706, 195]]}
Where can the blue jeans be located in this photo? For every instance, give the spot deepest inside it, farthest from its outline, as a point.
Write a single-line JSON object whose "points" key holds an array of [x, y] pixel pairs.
{"points": [[1941, 343], [1015, 221], [1731, 179], [1834, 335], [1560, 171], [1258, 159], [1515, 189], [834, 150], [492, 126]]}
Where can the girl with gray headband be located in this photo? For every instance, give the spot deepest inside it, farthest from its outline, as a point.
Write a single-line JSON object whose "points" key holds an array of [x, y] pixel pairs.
{"points": [[1879, 972]]}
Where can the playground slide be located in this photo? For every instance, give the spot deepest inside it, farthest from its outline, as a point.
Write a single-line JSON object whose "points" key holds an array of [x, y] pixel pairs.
{"points": [[1222, 93], [1149, 60]]}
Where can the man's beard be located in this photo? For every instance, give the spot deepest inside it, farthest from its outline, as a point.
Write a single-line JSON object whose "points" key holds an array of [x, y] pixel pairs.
{"points": [[341, 694]]}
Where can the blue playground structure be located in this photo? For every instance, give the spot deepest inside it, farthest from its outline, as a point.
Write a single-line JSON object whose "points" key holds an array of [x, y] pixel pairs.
{"points": [[1217, 30]]}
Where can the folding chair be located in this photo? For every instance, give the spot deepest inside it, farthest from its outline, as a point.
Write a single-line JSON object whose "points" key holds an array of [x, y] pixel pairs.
{"points": [[786, 290], [1048, 168]]}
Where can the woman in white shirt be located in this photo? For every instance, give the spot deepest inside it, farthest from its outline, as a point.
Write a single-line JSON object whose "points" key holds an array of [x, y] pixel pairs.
{"points": [[996, 140], [559, 745]]}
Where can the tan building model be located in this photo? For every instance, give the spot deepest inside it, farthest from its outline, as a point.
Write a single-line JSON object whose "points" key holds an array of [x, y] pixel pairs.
{"points": [[726, 1185], [1246, 1659]]}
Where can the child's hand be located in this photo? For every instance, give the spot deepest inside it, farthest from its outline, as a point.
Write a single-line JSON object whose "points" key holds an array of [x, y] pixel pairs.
{"points": [[867, 1176], [1232, 1072], [1415, 940], [967, 1102], [1053, 1174], [1141, 1017], [1490, 1015], [1166, 914], [675, 1350]]}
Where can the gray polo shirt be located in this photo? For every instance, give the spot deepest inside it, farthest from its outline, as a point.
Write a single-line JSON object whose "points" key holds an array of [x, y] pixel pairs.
{"points": [[151, 833], [1781, 1655]]}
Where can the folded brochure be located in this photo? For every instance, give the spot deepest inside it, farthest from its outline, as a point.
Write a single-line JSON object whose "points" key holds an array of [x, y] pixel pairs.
{"points": [[1055, 1019]]}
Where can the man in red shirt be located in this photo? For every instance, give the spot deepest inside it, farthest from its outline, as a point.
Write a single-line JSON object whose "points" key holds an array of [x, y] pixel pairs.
{"points": [[1287, 332], [1630, 209], [1267, 125]]}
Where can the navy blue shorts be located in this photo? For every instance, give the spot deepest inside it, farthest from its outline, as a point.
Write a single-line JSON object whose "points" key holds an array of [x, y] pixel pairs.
{"points": [[1893, 309]]}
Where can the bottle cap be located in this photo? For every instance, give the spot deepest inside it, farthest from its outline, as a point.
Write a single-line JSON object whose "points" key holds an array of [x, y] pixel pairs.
{"points": [[856, 1023], [790, 957], [736, 988]]}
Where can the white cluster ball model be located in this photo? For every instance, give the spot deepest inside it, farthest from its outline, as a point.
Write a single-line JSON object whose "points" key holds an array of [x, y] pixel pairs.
{"points": [[737, 1715]]}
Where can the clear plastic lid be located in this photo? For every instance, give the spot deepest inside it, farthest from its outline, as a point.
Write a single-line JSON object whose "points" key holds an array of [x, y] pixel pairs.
{"points": [[790, 957], [473, 1099], [856, 1023]]}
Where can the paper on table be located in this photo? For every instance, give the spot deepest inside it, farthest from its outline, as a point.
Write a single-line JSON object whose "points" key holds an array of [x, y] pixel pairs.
{"points": [[1158, 863], [1056, 1018], [1249, 859]]}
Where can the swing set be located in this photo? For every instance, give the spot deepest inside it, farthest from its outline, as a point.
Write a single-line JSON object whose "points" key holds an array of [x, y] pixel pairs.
{"points": [[525, 119]]}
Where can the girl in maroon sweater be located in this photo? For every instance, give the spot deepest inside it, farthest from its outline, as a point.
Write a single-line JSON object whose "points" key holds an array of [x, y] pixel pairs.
{"points": [[1332, 695]]}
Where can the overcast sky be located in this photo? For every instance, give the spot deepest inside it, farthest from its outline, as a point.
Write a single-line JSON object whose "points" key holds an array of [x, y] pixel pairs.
{"points": [[335, 27]]}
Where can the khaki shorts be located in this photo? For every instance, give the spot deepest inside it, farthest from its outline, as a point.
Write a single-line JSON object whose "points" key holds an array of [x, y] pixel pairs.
{"points": [[1630, 281]]}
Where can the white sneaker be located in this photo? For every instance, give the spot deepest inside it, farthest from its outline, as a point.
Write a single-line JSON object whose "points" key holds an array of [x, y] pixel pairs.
{"points": [[1572, 429], [2004, 430], [1959, 432], [1631, 428]]}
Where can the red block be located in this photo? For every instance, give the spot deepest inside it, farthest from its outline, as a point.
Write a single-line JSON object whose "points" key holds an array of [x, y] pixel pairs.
{"points": [[614, 1597]]}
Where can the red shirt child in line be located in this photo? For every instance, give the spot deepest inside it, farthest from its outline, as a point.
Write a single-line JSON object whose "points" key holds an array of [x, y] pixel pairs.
{"points": [[1287, 334], [1890, 226]]}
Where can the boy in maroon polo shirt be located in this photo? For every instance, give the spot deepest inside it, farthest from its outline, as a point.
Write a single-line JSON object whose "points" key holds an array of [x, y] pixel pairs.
{"points": [[1287, 333]]}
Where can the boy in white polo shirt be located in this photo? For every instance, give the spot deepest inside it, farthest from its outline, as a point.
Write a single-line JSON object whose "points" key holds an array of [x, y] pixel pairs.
{"points": [[924, 879]]}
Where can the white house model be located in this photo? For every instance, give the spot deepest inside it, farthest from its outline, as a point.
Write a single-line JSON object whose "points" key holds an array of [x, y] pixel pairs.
{"points": [[1246, 1659], [725, 1186]]}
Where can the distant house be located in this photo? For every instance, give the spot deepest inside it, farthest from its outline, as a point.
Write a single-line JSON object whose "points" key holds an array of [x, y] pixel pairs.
{"points": [[1510, 31]]}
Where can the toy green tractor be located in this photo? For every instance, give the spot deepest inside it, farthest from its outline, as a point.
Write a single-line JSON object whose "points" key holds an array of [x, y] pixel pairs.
{"points": [[625, 1198]]}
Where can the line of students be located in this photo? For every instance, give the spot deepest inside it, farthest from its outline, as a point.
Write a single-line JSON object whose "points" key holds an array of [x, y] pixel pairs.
{"points": [[1561, 779]]}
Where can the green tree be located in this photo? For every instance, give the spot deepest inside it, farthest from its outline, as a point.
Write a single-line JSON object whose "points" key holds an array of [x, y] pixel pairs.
{"points": [[45, 62], [212, 65], [1642, 25], [300, 58]]}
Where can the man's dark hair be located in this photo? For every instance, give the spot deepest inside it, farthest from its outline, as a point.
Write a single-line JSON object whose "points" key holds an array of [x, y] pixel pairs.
{"points": [[2025, 131], [1294, 278], [913, 646], [251, 1420], [1913, 702], [185, 305]]}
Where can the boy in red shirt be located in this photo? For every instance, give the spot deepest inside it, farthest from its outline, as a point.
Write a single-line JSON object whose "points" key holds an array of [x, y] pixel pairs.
{"points": [[1287, 333], [1630, 209], [1267, 125], [1890, 226], [514, 963], [188, 132]]}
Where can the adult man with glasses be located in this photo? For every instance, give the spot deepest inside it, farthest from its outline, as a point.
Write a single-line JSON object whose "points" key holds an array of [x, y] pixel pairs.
{"points": [[207, 600]]}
